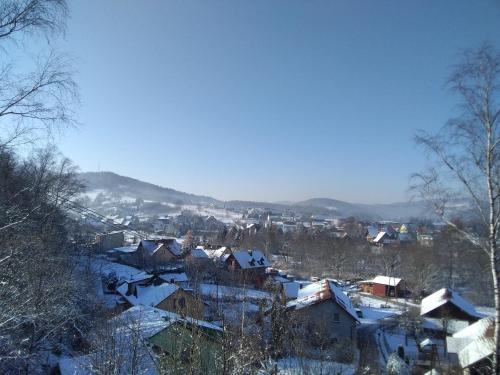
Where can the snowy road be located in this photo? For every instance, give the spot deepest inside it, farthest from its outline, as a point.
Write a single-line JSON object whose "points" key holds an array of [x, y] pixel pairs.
{"points": [[369, 361]]}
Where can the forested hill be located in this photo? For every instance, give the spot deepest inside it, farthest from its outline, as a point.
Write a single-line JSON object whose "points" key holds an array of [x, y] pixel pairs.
{"points": [[131, 187], [118, 186]]}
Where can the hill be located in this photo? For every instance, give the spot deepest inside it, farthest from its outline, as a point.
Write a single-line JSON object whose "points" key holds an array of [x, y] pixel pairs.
{"points": [[127, 188], [132, 188]]}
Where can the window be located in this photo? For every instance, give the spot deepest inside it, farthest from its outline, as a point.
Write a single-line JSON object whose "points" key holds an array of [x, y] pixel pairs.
{"points": [[336, 317], [182, 302]]}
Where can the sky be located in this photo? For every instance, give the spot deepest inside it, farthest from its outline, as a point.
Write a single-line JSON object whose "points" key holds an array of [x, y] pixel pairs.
{"points": [[267, 100]]}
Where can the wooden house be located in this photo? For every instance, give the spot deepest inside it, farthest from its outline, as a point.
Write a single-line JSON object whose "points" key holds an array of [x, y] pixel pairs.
{"points": [[384, 286], [323, 307], [153, 253], [448, 304], [445, 313], [473, 347], [165, 296], [144, 337], [248, 266]]}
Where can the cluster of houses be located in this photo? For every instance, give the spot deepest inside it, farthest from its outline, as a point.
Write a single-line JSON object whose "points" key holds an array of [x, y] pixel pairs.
{"points": [[150, 294], [153, 281], [387, 233]]}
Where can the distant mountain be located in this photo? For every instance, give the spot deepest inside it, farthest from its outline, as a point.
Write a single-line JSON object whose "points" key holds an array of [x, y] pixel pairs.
{"points": [[389, 211], [132, 188]]}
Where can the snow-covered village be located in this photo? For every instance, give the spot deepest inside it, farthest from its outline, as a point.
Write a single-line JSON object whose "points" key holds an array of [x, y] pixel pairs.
{"points": [[242, 187]]}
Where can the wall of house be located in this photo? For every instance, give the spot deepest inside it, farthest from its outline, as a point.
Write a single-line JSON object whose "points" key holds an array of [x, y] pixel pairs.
{"points": [[320, 316], [450, 311], [367, 288], [184, 303], [176, 337], [384, 290], [161, 256], [110, 240]]}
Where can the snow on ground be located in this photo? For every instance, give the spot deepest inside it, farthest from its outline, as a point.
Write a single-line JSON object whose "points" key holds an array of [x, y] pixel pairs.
{"points": [[371, 314], [221, 214], [220, 291], [127, 199], [394, 339], [372, 309], [92, 194], [105, 268], [296, 366], [233, 312]]}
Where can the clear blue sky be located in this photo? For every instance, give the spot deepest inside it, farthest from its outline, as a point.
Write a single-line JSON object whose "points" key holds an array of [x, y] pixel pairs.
{"points": [[267, 100]]}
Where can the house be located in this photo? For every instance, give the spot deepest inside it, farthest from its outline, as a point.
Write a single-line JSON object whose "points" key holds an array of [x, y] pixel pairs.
{"points": [[384, 286], [158, 252], [124, 254], [473, 346], [425, 239], [322, 306], [108, 241], [173, 335], [249, 266], [445, 312], [142, 337], [198, 256], [179, 278], [448, 304], [165, 296], [371, 233], [383, 238], [405, 235], [217, 254]]}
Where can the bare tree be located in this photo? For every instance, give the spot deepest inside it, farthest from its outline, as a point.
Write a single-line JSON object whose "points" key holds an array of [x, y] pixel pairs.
{"points": [[42, 98], [467, 159]]}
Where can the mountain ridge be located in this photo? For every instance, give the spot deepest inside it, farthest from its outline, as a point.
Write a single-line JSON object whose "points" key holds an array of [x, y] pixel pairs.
{"points": [[135, 188]]}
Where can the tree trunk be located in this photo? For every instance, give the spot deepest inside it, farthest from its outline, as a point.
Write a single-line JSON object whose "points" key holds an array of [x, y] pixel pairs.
{"points": [[496, 282]]}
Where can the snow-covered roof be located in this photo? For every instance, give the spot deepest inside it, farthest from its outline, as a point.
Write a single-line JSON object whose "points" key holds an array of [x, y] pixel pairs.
{"points": [[151, 246], [146, 319], [150, 295], [461, 339], [124, 249], [443, 296], [199, 253], [215, 253], [143, 320], [386, 280], [321, 291], [477, 350], [177, 277], [251, 259], [153, 320], [81, 365], [139, 277], [427, 342], [106, 268], [380, 235]]}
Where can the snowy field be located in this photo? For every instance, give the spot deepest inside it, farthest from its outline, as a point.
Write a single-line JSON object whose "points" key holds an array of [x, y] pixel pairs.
{"points": [[228, 292], [373, 310], [296, 366]]}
